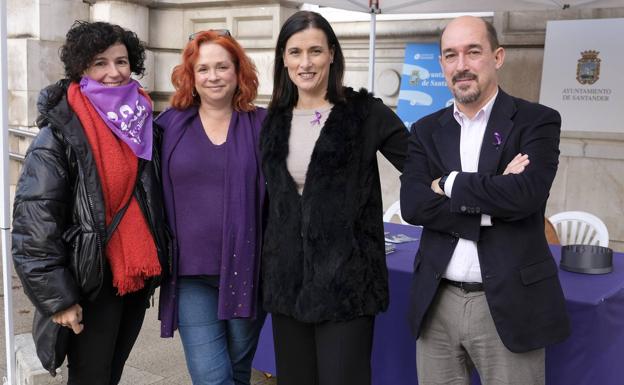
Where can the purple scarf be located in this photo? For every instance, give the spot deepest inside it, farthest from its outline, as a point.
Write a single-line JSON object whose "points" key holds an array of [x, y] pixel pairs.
{"points": [[125, 111]]}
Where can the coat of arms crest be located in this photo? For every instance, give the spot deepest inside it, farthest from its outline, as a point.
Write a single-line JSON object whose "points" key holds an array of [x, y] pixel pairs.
{"points": [[414, 78], [588, 67]]}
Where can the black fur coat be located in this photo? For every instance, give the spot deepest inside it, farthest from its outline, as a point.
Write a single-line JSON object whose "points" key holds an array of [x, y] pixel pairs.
{"points": [[323, 255]]}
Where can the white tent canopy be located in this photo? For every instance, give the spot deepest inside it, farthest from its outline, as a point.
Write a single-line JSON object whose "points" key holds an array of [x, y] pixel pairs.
{"points": [[445, 6], [375, 7]]}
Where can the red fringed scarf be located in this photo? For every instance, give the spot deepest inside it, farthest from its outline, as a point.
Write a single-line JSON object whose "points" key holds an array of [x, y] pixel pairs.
{"points": [[131, 251]]}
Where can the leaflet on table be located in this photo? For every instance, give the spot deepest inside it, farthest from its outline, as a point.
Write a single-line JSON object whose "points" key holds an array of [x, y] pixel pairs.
{"points": [[399, 238]]}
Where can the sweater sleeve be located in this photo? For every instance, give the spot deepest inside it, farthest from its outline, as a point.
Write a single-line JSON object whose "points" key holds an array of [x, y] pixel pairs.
{"points": [[41, 213], [392, 134]]}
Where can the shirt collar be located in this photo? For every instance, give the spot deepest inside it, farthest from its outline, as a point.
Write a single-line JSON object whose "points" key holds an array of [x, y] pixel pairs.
{"points": [[484, 112]]}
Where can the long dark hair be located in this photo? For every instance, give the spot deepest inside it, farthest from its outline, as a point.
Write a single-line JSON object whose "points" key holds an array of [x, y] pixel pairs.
{"points": [[285, 93]]}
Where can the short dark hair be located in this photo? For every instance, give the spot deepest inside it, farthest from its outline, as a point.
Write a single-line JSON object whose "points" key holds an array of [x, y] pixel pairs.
{"points": [[85, 40], [285, 94], [492, 36]]}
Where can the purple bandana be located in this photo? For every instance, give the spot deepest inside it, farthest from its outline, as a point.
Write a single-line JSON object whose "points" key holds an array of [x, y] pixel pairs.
{"points": [[125, 111]]}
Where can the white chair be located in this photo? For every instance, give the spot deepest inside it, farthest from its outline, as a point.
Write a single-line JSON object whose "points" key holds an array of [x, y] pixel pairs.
{"points": [[580, 228], [394, 209]]}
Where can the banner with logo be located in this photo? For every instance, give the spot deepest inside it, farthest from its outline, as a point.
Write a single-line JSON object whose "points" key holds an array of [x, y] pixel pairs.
{"points": [[423, 88], [583, 74]]}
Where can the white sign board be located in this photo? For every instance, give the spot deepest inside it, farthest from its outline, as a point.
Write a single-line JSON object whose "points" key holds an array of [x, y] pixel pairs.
{"points": [[583, 74]]}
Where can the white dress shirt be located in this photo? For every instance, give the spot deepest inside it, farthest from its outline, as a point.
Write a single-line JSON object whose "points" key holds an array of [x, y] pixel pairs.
{"points": [[464, 265]]}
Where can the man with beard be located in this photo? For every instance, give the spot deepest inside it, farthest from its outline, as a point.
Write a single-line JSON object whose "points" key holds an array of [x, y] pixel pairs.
{"points": [[485, 292]]}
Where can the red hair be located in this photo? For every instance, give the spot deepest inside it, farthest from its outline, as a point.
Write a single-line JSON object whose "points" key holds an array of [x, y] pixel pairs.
{"points": [[183, 76]]}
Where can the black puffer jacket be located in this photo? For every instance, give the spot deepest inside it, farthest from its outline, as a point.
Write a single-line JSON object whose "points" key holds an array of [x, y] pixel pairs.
{"points": [[59, 218]]}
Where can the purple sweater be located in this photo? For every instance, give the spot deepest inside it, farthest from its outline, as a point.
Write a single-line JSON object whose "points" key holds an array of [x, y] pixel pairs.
{"points": [[244, 193], [196, 169]]}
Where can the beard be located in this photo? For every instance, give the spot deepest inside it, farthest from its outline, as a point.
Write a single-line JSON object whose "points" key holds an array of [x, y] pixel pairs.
{"points": [[463, 94]]}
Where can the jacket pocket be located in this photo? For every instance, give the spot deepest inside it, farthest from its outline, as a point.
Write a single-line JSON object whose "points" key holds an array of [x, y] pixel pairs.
{"points": [[538, 271], [72, 236]]}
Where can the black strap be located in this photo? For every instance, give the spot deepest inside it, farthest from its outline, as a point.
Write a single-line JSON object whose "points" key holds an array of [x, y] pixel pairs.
{"points": [[110, 229]]}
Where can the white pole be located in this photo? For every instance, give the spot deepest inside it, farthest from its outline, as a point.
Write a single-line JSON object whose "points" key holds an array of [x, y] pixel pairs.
{"points": [[371, 55], [374, 9], [7, 266]]}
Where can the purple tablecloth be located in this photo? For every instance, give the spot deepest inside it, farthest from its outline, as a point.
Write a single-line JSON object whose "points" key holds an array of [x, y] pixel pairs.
{"points": [[590, 356]]}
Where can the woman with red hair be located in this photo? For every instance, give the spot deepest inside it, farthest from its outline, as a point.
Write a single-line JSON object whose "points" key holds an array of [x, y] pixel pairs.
{"points": [[214, 194]]}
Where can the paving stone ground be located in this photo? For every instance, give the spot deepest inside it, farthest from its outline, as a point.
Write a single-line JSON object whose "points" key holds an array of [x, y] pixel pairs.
{"points": [[154, 360]]}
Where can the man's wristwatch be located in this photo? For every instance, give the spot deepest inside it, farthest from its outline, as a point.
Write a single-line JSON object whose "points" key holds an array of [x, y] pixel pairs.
{"points": [[442, 181]]}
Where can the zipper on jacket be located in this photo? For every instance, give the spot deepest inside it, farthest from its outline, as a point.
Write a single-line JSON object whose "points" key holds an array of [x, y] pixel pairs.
{"points": [[98, 238], [141, 200]]}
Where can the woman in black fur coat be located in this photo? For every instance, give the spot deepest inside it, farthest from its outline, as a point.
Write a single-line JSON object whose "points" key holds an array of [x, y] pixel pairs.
{"points": [[323, 264]]}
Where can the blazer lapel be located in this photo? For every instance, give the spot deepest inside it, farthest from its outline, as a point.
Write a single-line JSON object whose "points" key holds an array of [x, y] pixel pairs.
{"points": [[446, 139], [496, 133]]}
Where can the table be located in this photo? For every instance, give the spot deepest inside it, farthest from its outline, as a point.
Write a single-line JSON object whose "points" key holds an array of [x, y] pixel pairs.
{"points": [[590, 356]]}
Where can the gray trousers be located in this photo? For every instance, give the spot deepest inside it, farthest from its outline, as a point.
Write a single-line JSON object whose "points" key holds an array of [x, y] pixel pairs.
{"points": [[459, 335]]}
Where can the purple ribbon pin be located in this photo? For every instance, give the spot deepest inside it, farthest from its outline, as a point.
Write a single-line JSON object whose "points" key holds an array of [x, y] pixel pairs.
{"points": [[498, 140], [317, 118]]}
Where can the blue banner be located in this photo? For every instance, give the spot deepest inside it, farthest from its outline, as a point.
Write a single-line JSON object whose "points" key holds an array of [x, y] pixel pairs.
{"points": [[423, 88]]}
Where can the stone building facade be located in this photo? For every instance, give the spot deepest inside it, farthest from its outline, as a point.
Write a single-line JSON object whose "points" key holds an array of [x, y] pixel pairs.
{"points": [[591, 172]]}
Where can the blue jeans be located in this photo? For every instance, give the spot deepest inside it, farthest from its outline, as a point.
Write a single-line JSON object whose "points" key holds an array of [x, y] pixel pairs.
{"points": [[218, 352]]}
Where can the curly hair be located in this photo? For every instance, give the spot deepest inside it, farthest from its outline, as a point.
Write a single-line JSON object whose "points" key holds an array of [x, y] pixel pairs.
{"points": [[183, 76], [85, 40]]}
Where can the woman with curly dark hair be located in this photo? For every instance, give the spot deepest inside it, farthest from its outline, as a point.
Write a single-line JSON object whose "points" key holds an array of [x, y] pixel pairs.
{"points": [[89, 241]]}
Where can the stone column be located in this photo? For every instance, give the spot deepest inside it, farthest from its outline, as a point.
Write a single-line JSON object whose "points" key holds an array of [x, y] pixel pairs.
{"points": [[36, 30]]}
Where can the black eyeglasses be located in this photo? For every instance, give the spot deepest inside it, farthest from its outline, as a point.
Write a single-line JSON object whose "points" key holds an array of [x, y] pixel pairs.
{"points": [[220, 32]]}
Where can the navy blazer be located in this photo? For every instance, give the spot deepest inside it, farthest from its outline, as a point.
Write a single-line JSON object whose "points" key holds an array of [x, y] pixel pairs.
{"points": [[519, 274]]}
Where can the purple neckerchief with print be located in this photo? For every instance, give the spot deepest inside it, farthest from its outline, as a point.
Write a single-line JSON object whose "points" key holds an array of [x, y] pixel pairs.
{"points": [[125, 111]]}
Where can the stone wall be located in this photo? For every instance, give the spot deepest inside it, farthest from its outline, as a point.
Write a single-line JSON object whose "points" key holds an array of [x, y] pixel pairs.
{"points": [[254, 26], [36, 30], [591, 173]]}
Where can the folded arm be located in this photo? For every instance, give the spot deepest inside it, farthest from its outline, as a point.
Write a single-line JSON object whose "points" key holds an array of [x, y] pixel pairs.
{"points": [[524, 189], [420, 205]]}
